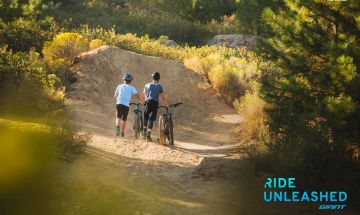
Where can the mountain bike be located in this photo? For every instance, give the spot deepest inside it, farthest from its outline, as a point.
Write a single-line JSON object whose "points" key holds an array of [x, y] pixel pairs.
{"points": [[138, 124], [166, 126]]}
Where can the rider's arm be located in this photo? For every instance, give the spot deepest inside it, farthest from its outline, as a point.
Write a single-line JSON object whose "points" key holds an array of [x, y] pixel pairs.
{"points": [[145, 96], [139, 98], [116, 94], [163, 96], [146, 92]]}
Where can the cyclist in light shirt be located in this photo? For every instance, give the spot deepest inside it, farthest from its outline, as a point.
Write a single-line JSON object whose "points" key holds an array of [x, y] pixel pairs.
{"points": [[123, 94]]}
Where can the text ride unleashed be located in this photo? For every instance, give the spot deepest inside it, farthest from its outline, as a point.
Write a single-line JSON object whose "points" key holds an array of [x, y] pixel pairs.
{"points": [[273, 193]]}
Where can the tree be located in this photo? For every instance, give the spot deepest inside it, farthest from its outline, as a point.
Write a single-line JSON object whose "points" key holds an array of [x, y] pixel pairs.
{"points": [[249, 14], [314, 96], [206, 10]]}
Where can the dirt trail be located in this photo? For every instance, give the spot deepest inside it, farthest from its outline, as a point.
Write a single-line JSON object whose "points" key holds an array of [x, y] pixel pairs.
{"points": [[203, 125]]}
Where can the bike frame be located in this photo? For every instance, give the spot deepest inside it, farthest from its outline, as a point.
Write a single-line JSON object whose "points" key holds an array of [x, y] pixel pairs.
{"points": [[138, 112], [166, 115]]}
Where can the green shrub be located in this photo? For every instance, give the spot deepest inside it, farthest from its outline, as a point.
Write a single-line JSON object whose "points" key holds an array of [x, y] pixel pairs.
{"points": [[23, 34], [66, 46], [228, 25], [25, 85], [60, 67], [163, 38]]}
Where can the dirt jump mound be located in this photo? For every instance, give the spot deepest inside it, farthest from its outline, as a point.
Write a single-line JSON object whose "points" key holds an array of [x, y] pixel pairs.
{"points": [[202, 123]]}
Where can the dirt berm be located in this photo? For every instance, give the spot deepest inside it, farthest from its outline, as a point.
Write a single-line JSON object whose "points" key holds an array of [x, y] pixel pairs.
{"points": [[203, 124]]}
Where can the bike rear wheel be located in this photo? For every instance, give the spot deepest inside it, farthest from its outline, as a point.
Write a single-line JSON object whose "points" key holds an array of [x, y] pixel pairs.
{"points": [[161, 129], [137, 126]]}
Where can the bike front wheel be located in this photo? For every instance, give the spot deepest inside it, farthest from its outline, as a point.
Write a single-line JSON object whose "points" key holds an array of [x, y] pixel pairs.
{"points": [[141, 126], [161, 129], [170, 135]]}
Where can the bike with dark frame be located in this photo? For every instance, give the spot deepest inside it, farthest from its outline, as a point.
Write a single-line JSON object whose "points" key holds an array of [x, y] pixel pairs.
{"points": [[138, 124], [166, 126]]}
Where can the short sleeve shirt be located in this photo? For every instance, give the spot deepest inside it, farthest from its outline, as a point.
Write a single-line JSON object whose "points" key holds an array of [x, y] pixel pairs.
{"points": [[153, 90], [124, 92]]}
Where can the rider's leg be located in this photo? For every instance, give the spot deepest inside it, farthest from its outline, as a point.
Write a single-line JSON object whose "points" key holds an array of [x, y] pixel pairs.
{"points": [[146, 119], [152, 115], [117, 127], [148, 137], [122, 113], [151, 123], [117, 121], [123, 125]]}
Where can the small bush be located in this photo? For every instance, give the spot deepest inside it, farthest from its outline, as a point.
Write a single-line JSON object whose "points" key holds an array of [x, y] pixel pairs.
{"points": [[60, 67], [96, 43], [230, 77], [66, 46], [228, 25], [163, 38], [251, 108]]}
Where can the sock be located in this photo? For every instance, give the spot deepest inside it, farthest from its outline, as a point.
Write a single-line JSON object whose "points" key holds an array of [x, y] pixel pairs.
{"points": [[117, 129]]}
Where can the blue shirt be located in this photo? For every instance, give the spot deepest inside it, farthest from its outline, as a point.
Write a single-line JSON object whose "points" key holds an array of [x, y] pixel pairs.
{"points": [[153, 90], [124, 93]]}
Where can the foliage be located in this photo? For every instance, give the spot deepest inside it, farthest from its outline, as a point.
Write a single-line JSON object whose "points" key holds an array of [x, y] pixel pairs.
{"points": [[249, 14], [230, 71], [205, 10], [65, 46], [199, 10], [255, 121], [227, 25], [130, 19], [313, 94], [20, 72], [12, 9], [230, 77], [29, 150], [59, 67], [96, 43], [163, 38], [23, 34]]}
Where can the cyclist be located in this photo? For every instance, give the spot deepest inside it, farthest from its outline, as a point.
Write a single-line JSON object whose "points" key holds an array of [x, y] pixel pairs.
{"points": [[152, 92], [123, 95]]}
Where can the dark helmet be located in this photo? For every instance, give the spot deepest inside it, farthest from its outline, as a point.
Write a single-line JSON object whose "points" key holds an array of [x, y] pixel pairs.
{"points": [[155, 75], [128, 77]]}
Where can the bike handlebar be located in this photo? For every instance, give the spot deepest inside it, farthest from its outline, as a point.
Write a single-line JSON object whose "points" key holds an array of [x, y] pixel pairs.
{"points": [[162, 106], [172, 105]]}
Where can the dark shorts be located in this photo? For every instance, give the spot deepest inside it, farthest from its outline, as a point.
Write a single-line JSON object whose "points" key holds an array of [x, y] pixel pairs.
{"points": [[150, 110], [122, 111]]}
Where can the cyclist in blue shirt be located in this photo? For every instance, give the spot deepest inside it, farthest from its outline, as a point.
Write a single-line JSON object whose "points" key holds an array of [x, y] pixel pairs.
{"points": [[123, 94], [152, 92]]}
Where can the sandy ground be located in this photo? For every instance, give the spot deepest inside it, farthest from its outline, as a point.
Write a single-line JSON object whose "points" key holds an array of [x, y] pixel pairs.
{"points": [[204, 125]]}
